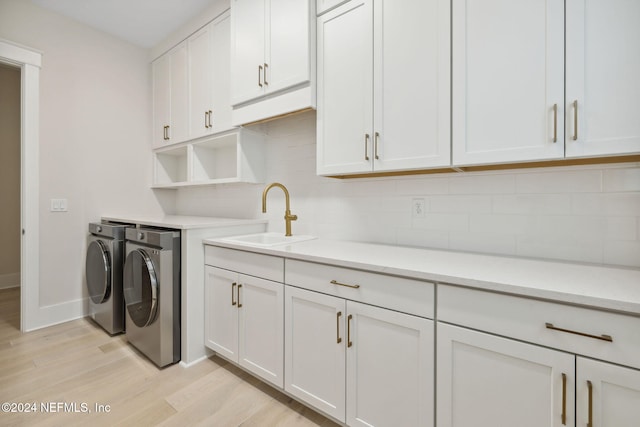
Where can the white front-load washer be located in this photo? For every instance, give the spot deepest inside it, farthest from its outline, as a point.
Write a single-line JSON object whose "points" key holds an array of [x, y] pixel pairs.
{"points": [[152, 293], [103, 270]]}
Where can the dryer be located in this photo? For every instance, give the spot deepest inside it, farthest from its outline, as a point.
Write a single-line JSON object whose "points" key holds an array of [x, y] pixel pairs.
{"points": [[103, 269], [152, 293]]}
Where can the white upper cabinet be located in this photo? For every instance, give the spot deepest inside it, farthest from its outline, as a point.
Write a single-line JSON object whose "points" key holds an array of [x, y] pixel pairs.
{"points": [[603, 88], [507, 81], [209, 79], [272, 56], [383, 86], [170, 97]]}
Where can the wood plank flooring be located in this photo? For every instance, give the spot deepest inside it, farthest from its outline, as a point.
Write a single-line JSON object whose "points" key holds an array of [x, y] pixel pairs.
{"points": [[77, 363]]}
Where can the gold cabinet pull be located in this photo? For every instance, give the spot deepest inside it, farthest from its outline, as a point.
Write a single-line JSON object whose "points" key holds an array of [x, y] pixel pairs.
{"points": [[206, 121], [264, 74], [335, 282], [260, 75], [349, 343], [375, 145], [602, 337], [564, 399], [366, 146], [338, 339], [233, 292], [575, 120], [166, 133], [555, 122], [590, 410], [239, 303]]}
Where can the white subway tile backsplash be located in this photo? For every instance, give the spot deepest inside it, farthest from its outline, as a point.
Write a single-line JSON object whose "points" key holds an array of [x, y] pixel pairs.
{"points": [[482, 184], [578, 213], [567, 181], [622, 179], [460, 204]]}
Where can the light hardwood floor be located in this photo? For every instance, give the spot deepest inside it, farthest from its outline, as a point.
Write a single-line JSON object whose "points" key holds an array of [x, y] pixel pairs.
{"points": [[78, 363]]}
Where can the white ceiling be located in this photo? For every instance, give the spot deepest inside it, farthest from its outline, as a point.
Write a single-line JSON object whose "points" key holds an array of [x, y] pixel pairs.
{"points": [[142, 22]]}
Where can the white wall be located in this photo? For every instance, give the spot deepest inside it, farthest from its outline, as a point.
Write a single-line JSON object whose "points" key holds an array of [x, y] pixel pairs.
{"points": [[94, 139], [578, 213], [9, 176]]}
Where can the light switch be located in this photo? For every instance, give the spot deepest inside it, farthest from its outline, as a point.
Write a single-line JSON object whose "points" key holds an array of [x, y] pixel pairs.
{"points": [[58, 205]]}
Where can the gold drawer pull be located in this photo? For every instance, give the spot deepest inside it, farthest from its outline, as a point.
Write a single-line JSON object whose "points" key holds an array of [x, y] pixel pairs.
{"points": [[338, 339], [349, 343], [335, 282], [582, 334]]}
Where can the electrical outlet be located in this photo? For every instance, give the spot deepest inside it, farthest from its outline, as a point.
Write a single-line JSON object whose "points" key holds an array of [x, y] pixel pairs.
{"points": [[58, 205], [417, 208]]}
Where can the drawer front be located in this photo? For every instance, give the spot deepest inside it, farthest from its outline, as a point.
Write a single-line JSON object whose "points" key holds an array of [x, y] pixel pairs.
{"points": [[577, 330], [257, 265], [395, 293]]}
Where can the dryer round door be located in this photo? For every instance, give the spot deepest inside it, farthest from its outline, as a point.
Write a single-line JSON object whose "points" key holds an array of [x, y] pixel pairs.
{"points": [[140, 288], [98, 270]]}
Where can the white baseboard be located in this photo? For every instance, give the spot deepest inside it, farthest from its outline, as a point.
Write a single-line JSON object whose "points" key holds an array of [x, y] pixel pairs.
{"points": [[10, 280]]}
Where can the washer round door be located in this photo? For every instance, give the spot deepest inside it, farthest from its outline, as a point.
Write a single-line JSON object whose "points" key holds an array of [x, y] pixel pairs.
{"points": [[140, 288], [98, 270]]}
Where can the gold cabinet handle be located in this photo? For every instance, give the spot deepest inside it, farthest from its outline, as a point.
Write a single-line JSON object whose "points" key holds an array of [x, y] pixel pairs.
{"points": [[349, 343], [366, 146], [233, 292], [206, 117], [555, 122], [166, 133], [575, 120], [602, 337], [239, 303], [375, 149], [260, 75], [590, 410], [338, 339], [210, 118], [264, 74], [564, 399], [335, 282]]}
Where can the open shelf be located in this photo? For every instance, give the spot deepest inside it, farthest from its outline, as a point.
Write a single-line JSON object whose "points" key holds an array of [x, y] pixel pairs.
{"points": [[233, 156]]}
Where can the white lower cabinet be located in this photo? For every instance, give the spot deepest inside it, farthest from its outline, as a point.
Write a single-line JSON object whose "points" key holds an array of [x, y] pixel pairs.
{"points": [[244, 321], [361, 364], [485, 380], [607, 394]]}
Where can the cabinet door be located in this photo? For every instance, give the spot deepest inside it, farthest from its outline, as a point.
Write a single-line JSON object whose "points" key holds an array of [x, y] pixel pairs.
{"points": [[412, 84], [200, 81], [389, 368], [179, 127], [288, 38], [221, 312], [615, 394], [261, 328], [345, 89], [603, 65], [485, 380], [247, 50], [221, 102], [314, 349], [507, 80], [161, 76]]}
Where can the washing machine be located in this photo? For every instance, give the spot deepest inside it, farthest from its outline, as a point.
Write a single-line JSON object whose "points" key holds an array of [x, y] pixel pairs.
{"points": [[152, 293], [103, 269]]}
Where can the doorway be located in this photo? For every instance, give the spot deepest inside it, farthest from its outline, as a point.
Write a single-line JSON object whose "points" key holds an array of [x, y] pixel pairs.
{"points": [[28, 61], [10, 189]]}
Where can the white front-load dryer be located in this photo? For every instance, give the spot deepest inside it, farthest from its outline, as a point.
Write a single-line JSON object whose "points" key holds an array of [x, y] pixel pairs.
{"points": [[152, 293], [103, 270]]}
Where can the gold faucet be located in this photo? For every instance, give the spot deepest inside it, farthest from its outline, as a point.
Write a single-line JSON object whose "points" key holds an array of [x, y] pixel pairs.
{"points": [[287, 213]]}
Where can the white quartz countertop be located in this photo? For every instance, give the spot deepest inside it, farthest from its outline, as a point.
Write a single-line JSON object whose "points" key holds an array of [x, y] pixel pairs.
{"points": [[181, 222], [603, 287]]}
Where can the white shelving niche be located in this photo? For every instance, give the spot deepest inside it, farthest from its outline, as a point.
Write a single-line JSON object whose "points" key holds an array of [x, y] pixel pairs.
{"points": [[233, 156]]}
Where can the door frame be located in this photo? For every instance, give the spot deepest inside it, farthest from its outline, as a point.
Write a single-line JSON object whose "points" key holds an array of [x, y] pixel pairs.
{"points": [[29, 61]]}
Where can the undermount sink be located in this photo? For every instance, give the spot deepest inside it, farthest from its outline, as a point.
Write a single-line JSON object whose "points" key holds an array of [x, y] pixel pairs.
{"points": [[266, 239]]}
